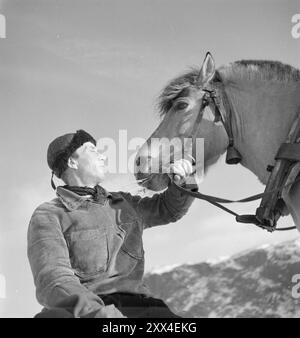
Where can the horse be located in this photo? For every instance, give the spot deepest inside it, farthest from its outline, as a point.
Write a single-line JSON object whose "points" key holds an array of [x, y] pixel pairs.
{"points": [[264, 101]]}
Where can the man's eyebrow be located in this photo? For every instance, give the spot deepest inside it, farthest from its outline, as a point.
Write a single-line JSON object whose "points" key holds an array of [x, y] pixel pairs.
{"points": [[90, 145], [86, 146]]}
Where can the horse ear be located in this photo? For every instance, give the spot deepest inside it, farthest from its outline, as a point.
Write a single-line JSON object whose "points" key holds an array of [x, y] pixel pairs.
{"points": [[207, 70]]}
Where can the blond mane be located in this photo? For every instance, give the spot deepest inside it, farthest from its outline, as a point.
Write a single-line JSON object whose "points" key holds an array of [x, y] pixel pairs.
{"points": [[244, 70]]}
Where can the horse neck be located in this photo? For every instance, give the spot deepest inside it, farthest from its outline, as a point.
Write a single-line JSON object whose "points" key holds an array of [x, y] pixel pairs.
{"points": [[262, 114]]}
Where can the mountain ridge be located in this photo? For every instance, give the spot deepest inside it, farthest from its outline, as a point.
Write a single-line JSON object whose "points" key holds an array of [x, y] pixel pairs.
{"points": [[254, 283]]}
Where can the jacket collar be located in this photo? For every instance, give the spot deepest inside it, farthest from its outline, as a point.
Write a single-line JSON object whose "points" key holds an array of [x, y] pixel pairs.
{"points": [[73, 201]]}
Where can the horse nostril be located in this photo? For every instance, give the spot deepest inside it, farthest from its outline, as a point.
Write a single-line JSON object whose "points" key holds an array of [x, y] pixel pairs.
{"points": [[138, 161], [143, 161]]}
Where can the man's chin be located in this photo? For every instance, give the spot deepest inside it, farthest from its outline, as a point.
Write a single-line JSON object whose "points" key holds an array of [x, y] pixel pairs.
{"points": [[100, 178]]}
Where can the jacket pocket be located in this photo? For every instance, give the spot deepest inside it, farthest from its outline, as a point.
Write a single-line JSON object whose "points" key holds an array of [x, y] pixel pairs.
{"points": [[133, 244], [88, 251]]}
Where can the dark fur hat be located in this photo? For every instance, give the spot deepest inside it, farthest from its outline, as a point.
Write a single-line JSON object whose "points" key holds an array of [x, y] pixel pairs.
{"points": [[63, 147]]}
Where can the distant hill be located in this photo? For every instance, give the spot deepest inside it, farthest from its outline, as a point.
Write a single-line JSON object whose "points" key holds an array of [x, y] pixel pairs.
{"points": [[256, 283]]}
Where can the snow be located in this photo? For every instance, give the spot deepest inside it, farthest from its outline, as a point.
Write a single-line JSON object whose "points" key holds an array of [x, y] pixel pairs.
{"points": [[217, 260], [163, 269]]}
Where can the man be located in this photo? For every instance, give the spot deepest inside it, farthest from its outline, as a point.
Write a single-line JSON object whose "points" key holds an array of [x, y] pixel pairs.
{"points": [[85, 246]]}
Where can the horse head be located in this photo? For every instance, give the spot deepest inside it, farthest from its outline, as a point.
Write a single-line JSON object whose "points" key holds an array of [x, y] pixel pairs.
{"points": [[186, 115]]}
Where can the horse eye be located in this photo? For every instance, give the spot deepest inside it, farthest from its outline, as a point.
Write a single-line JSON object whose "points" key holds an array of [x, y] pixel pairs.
{"points": [[181, 105]]}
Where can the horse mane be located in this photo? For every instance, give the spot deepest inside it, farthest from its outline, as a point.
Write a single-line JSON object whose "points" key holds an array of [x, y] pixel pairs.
{"points": [[260, 70], [243, 70], [174, 88]]}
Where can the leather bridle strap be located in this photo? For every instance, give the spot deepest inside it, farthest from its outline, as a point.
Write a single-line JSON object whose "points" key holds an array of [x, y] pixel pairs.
{"points": [[233, 156], [216, 201], [197, 122], [239, 218]]}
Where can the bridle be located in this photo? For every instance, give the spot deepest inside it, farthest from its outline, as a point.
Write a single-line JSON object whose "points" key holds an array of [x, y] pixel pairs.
{"points": [[288, 154], [210, 98]]}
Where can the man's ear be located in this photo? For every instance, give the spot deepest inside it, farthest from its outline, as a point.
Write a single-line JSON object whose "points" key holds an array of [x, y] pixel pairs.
{"points": [[72, 163], [207, 70]]}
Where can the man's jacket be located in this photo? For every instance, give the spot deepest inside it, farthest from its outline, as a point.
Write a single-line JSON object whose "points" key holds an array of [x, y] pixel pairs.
{"points": [[79, 246]]}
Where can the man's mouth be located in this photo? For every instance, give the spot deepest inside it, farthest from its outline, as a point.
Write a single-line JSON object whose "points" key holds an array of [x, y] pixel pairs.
{"points": [[101, 162]]}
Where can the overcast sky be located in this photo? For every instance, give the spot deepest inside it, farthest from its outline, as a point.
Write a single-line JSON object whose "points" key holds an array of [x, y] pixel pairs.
{"points": [[99, 66]]}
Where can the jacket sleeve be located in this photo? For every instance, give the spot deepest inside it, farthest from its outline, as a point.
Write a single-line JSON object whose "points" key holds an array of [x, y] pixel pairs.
{"points": [[50, 264], [162, 208]]}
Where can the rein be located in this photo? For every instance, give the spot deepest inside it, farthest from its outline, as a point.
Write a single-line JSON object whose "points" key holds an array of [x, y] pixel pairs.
{"points": [[289, 153], [216, 201]]}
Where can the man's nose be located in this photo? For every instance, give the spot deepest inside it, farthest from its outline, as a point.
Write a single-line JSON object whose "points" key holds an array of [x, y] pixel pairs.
{"points": [[102, 157]]}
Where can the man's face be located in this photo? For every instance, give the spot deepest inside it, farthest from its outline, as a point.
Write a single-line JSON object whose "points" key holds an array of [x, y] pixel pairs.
{"points": [[90, 163]]}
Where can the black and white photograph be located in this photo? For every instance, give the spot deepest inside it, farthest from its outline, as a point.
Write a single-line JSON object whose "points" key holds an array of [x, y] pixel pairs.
{"points": [[150, 160]]}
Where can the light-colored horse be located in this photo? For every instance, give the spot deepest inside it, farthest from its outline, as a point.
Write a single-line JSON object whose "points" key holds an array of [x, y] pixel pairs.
{"points": [[265, 99]]}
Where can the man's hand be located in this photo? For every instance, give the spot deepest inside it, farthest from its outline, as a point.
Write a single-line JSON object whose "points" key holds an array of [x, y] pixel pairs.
{"points": [[89, 305], [181, 170], [109, 311]]}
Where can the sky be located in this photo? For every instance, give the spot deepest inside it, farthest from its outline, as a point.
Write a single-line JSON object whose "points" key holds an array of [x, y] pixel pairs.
{"points": [[100, 66]]}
